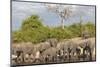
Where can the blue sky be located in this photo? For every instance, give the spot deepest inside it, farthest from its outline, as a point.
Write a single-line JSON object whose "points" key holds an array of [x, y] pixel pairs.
{"points": [[21, 10]]}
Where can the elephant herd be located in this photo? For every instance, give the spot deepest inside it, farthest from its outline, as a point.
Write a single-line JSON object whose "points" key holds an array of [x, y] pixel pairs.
{"points": [[53, 51]]}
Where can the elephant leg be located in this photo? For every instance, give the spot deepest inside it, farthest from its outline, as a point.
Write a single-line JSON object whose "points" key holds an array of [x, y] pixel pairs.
{"points": [[19, 60], [31, 58], [93, 54], [37, 60], [90, 58]]}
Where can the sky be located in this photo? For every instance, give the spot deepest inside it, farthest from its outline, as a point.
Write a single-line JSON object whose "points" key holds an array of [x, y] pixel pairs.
{"points": [[21, 10]]}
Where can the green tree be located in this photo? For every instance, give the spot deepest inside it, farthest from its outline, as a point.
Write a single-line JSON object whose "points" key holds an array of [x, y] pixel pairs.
{"points": [[32, 22]]}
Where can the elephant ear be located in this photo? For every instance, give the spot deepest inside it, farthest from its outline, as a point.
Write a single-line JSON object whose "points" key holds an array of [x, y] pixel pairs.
{"points": [[53, 42], [84, 42], [51, 51], [70, 44], [60, 45], [91, 42], [42, 46]]}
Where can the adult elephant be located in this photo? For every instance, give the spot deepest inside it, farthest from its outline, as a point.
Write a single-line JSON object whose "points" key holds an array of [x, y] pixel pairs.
{"points": [[88, 46], [38, 51], [42, 46], [20, 50]]}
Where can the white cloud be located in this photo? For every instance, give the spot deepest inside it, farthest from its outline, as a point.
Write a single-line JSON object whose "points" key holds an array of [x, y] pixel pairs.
{"points": [[26, 8]]}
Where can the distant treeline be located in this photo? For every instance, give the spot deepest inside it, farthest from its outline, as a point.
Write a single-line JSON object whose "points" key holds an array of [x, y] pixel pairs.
{"points": [[32, 30]]}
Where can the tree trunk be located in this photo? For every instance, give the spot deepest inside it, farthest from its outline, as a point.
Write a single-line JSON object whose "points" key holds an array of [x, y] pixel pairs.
{"points": [[62, 23], [81, 29]]}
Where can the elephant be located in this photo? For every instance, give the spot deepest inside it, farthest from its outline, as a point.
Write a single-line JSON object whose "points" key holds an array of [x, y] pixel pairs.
{"points": [[75, 48], [86, 47], [17, 56], [20, 50], [52, 51], [68, 48], [42, 46], [50, 54]]}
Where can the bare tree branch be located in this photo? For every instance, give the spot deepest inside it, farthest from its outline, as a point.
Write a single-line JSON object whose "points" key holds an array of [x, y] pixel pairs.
{"points": [[63, 11]]}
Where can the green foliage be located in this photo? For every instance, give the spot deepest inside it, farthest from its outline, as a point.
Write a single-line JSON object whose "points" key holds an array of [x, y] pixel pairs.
{"points": [[32, 30], [17, 36], [76, 29], [59, 33], [31, 23], [91, 28]]}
